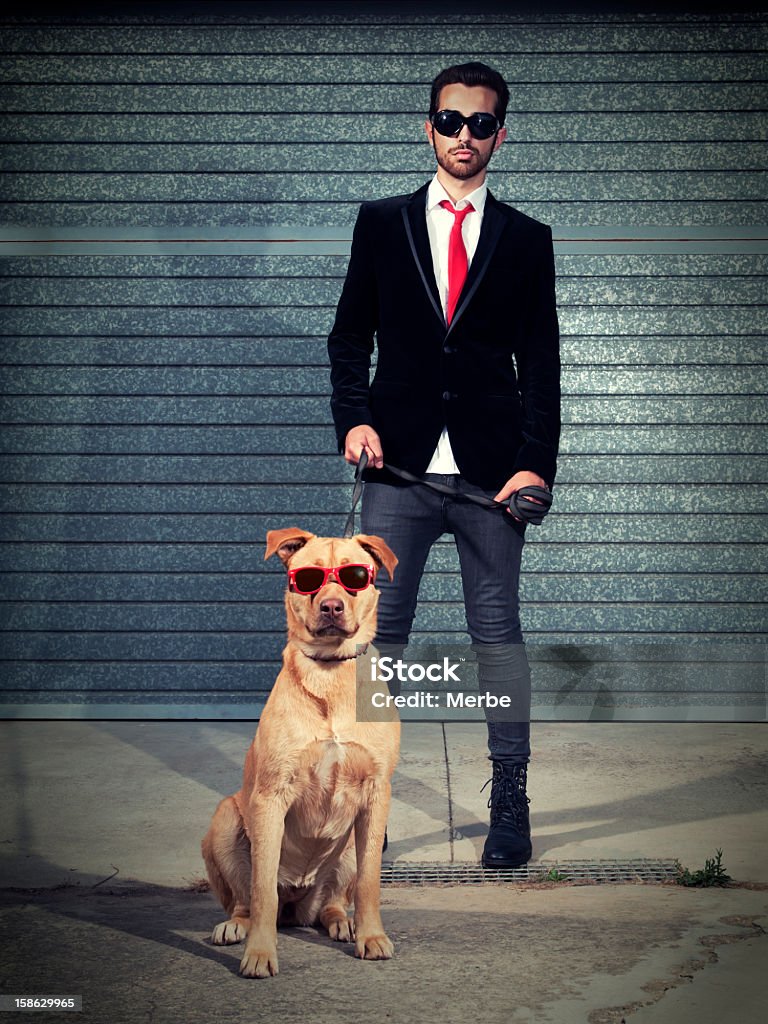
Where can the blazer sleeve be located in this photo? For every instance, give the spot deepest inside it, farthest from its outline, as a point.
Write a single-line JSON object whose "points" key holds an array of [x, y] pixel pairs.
{"points": [[538, 368], [350, 343]]}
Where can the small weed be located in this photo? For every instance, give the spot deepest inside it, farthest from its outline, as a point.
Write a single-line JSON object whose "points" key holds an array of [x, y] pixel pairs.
{"points": [[553, 875], [713, 873]]}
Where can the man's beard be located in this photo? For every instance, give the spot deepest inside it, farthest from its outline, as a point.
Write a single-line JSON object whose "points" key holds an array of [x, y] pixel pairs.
{"points": [[463, 168]]}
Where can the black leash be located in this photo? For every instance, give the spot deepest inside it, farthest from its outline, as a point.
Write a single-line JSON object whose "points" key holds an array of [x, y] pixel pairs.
{"points": [[521, 502]]}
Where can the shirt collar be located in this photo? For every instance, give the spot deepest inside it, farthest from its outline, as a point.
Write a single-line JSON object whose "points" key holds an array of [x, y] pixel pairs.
{"points": [[436, 194]]}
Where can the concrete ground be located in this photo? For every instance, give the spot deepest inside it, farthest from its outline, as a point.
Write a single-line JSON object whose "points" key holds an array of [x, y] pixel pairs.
{"points": [[99, 848]]}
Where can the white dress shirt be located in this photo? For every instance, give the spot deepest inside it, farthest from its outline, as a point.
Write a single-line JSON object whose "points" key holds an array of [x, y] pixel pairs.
{"points": [[439, 224]]}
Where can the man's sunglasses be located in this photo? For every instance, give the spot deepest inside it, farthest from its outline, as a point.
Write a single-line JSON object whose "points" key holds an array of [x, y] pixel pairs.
{"points": [[450, 122], [311, 578]]}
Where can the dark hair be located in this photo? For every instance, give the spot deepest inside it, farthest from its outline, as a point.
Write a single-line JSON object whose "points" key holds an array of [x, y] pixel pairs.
{"points": [[471, 74]]}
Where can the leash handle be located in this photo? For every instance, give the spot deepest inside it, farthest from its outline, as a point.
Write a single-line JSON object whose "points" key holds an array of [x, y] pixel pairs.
{"points": [[530, 503]]}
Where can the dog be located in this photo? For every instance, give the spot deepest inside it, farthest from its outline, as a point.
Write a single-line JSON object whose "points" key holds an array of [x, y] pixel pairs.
{"points": [[302, 838]]}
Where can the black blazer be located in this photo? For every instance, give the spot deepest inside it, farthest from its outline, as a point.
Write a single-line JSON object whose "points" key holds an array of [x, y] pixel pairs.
{"points": [[492, 377]]}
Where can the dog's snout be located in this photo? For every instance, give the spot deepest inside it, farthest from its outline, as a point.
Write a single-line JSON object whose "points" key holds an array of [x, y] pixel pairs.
{"points": [[333, 607]]}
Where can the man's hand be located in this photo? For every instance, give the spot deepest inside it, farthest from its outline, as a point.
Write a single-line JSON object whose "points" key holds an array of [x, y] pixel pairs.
{"points": [[364, 438], [521, 479]]}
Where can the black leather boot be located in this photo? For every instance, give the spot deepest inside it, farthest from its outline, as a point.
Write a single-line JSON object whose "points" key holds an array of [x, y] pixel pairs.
{"points": [[509, 839]]}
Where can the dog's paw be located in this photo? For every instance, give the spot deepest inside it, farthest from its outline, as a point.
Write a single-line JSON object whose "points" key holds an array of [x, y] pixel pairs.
{"points": [[228, 932], [374, 947], [342, 931], [259, 963]]}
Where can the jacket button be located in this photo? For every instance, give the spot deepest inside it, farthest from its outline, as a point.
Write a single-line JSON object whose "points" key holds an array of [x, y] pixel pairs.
{"points": [[449, 350], [447, 396]]}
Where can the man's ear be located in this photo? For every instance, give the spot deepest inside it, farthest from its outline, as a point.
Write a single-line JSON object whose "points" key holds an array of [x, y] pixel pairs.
{"points": [[429, 130], [380, 551], [286, 542]]}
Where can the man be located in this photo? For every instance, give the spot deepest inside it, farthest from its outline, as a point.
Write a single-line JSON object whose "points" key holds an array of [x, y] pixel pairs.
{"points": [[459, 290]]}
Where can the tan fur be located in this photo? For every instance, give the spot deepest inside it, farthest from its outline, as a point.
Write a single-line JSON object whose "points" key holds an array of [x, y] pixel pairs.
{"points": [[304, 833]]}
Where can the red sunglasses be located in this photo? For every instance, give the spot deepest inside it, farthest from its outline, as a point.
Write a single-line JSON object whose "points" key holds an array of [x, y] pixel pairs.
{"points": [[311, 578]]}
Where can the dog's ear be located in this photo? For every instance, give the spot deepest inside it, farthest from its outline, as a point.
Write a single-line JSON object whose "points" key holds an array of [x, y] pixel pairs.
{"points": [[380, 550], [285, 542]]}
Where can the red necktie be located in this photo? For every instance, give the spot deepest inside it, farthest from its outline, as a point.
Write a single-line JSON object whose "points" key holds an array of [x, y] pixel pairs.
{"points": [[457, 257]]}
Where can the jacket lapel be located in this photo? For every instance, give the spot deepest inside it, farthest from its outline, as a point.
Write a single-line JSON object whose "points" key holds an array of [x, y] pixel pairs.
{"points": [[493, 225], [415, 221]]}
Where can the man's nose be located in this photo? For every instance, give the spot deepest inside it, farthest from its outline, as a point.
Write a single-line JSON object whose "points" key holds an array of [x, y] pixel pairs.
{"points": [[465, 135]]}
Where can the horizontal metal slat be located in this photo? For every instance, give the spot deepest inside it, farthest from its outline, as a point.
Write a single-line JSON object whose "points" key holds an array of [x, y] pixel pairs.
{"points": [[407, 99], [244, 706], [393, 127], [246, 529], [117, 420], [288, 187], [264, 475], [200, 496], [575, 350], [732, 438], [233, 156], [247, 556], [740, 215], [306, 268], [168, 292], [219, 633], [296, 381], [380, 37], [582, 417], [259, 585], [317, 321], [554, 67], [586, 470]]}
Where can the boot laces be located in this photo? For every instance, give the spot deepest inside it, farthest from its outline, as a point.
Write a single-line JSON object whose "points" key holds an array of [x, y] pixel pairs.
{"points": [[508, 801]]}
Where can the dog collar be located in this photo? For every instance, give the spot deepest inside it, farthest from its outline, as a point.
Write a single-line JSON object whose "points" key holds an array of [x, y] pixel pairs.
{"points": [[348, 657]]}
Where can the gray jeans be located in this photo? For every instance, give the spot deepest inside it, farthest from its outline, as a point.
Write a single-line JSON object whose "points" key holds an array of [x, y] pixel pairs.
{"points": [[490, 545]]}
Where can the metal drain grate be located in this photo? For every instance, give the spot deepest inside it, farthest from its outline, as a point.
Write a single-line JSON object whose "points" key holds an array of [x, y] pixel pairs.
{"points": [[588, 872]]}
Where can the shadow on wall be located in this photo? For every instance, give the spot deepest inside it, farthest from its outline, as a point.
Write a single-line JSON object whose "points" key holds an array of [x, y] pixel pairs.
{"points": [[686, 678]]}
